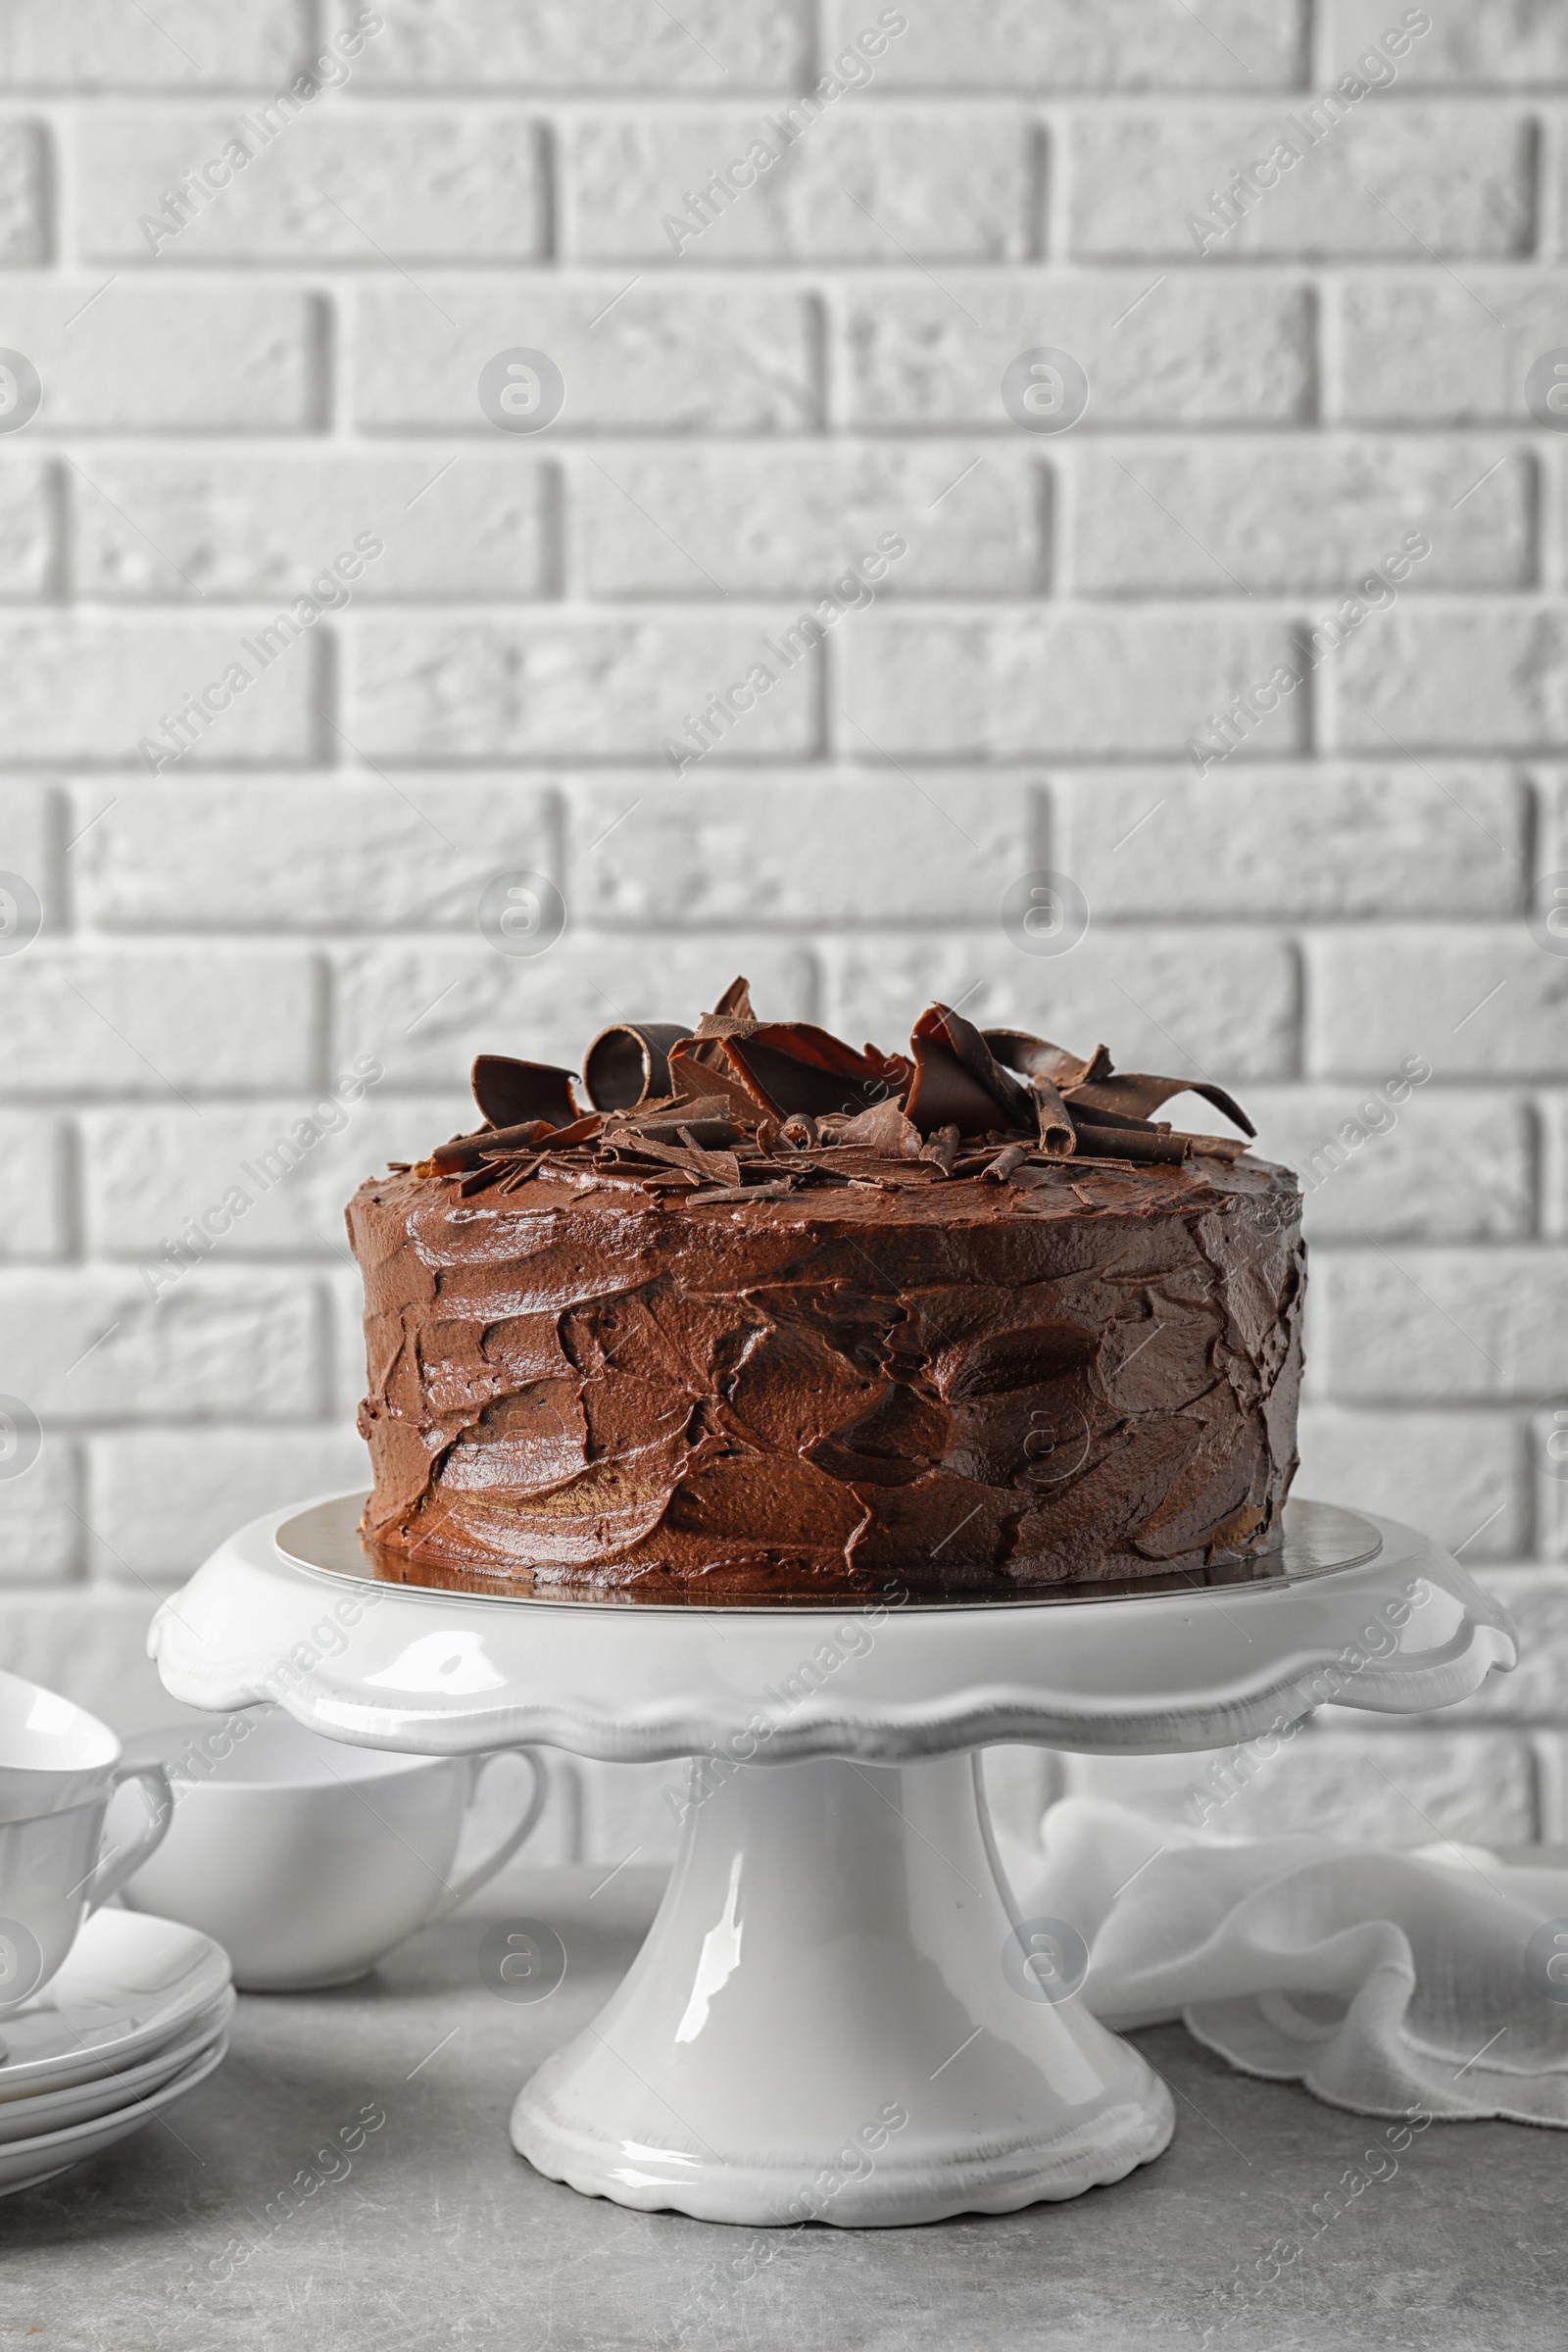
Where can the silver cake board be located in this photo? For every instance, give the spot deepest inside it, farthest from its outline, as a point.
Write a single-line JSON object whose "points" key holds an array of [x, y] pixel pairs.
{"points": [[1317, 1539]]}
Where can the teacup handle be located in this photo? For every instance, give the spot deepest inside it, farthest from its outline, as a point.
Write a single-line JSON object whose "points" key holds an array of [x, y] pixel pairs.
{"points": [[503, 1853], [123, 1862]]}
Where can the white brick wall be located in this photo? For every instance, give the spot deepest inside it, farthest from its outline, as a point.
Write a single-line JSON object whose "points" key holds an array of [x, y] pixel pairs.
{"points": [[225, 409]]}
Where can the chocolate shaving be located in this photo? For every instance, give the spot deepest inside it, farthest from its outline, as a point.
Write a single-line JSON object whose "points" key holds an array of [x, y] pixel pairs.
{"points": [[777, 1191], [586, 1180], [723, 1166], [511, 1091], [885, 1130], [1003, 1166], [640, 1153], [1128, 1143], [581, 1131], [849, 1160], [705, 1126], [479, 1180], [943, 1149], [1081, 1112]]}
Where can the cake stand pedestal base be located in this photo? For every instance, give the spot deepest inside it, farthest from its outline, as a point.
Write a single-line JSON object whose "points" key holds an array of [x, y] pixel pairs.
{"points": [[834, 2018]]}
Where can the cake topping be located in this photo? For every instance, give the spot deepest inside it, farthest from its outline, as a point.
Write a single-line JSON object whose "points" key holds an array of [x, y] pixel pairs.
{"points": [[740, 1108], [627, 1064], [509, 1093]]}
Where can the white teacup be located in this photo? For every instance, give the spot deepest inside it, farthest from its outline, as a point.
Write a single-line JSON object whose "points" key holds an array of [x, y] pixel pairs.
{"points": [[306, 1859], [58, 1767]]}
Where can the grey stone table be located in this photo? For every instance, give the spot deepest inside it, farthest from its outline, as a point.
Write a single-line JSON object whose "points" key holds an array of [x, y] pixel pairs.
{"points": [[230, 2229]]}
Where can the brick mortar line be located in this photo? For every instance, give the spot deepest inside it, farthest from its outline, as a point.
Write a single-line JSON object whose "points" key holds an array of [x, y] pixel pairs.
{"points": [[1072, 265], [300, 942], [406, 440], [977, 767], [1044, 767], [231, 274], [1296, 605], [581, 604], [66, 100]]}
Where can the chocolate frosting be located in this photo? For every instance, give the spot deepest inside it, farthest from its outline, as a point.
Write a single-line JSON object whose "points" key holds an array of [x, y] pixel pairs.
{"points": [[762, 1336]]}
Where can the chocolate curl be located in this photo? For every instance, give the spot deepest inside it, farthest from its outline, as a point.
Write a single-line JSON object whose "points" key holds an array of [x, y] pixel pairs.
{"points": [[885, 1130], [708, 1121], [579, 1131], [945, 1095], [779, 1189], [1038, 1058], [469, 1151], [1127, 1142], [1141, 1095], [958, 1082], [1098, 1084], [732, 1016], [628, 1063], [1003, 1166], [479, 1180], [774, 1069], [720, 1167], [1080, 1111], [508, 1092], [698, 1080], [793, 1065], [735, 1004], [1058, 1135], [798, 1131]]}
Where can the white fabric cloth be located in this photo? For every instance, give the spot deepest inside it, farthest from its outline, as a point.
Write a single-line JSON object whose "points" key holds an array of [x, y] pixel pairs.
{"points": [[1383, 1980]]}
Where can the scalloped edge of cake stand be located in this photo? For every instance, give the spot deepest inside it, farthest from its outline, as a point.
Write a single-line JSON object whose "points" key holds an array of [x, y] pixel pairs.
{"points": [[439, 1673]]}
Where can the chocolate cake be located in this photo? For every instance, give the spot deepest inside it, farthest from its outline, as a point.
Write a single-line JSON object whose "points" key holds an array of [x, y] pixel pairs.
{"points": [[746, 1314]]}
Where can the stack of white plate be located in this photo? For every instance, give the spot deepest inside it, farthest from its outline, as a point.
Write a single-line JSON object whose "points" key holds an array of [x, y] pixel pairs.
{"points": [[136, 2016]]}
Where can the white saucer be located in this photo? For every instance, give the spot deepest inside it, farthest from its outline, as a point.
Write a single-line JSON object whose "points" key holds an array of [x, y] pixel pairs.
{"points": [[31, 2115], [129, 1984], [24, 2163]]}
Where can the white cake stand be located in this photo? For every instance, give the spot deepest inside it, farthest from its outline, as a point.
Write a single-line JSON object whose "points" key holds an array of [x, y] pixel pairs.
{"points": [[837, 2013]]}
